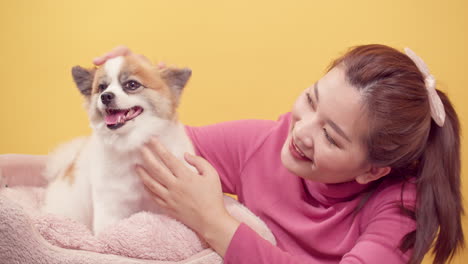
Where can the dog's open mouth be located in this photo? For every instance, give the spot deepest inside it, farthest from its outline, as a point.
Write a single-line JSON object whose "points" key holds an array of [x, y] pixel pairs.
{"points": [[116, 118]]}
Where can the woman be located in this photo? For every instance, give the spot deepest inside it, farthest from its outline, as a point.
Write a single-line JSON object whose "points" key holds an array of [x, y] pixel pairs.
{"points": [[360, 171]]}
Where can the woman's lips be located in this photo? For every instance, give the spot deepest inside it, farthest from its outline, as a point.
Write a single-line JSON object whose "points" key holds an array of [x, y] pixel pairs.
{"points": [[296, 152]]}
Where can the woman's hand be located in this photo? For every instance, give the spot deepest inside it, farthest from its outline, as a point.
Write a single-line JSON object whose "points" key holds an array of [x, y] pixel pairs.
{"points": [[121, 51], [117, 51], [193, 198]]}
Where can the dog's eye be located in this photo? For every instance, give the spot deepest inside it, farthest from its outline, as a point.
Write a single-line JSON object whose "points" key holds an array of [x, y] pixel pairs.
{"points": [[132, 85], [102, 87]]}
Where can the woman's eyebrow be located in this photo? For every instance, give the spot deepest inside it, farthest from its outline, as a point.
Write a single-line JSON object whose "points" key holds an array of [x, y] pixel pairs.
{"points": [[331, 123], [316, 91]]}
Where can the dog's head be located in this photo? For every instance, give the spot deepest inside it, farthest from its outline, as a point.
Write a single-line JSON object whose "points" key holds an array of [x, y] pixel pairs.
{"points": [[129, 99]]}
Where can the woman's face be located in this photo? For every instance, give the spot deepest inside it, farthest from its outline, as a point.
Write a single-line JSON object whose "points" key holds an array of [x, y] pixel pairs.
{"points": [[327, 127]]}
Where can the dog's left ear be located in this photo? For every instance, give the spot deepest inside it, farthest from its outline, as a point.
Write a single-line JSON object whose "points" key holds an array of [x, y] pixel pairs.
{"points": [[176, 78]]}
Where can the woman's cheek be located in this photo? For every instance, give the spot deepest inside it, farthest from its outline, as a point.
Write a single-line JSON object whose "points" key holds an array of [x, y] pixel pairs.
{"points": [[329, 160], [295, 112]]}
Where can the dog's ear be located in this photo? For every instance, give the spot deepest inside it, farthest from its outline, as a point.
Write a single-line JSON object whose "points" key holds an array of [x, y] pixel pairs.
{"points": [[83, 79], [176, 78]]}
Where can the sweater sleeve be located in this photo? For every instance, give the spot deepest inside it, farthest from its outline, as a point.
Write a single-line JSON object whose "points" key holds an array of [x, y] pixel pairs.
{"points": [[378, 244], [379, 241], [226, 146], [384, 227], [248, 247]]}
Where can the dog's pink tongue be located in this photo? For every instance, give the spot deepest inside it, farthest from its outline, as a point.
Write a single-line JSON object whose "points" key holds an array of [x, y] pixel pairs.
{"points": [[112, 119]]}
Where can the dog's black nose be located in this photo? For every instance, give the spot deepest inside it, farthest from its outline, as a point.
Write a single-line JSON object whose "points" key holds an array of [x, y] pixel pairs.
{"points": [[107, 98]]}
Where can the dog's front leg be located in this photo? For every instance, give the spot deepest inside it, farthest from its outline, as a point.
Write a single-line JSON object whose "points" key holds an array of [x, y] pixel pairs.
{"points": [[109, 211], [113, 201]]}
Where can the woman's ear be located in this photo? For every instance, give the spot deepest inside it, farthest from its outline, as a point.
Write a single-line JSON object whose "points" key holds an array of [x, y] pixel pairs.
{"points": [[373, 174]]}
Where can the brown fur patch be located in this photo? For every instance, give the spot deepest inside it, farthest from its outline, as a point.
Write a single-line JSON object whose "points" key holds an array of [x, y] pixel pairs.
{"points": [[69, 174], [99, 77], [149, 75]]}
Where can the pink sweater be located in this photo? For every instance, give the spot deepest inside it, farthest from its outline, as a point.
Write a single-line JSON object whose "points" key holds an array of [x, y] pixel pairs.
{"points": [[312, 222]]}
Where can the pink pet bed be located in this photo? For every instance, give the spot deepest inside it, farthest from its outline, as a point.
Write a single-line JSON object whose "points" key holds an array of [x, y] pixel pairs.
{"points": [[28, 235]]}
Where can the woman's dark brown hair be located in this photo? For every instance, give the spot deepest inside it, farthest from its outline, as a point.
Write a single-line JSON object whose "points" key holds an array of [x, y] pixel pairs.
{"points": [[403, 135]]}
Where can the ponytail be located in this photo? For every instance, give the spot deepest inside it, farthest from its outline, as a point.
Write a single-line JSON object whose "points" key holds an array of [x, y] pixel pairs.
{"points": [[439, 208], [403, 136]]}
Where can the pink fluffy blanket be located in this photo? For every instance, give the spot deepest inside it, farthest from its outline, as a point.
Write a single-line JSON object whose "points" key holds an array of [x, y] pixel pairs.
{"points": [[28, 235]]}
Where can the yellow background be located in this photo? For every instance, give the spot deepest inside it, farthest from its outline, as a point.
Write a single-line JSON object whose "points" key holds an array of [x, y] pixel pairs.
{"points": [[250, 59]]}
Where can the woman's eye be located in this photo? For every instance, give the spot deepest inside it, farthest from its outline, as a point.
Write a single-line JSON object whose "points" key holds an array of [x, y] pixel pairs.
{"points": [[132, 85], [102, 87], [309, 100], [330, 139]]}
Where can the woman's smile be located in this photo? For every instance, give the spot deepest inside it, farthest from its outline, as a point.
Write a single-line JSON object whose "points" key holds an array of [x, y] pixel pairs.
{"points": [[296, 152]]}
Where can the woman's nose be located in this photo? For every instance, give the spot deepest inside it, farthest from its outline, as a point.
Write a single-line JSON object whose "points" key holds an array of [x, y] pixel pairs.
{"points": [[305, 134]]}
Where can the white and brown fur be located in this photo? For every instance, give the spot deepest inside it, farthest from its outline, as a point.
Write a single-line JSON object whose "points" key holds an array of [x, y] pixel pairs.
{"points": [[93, 180]]}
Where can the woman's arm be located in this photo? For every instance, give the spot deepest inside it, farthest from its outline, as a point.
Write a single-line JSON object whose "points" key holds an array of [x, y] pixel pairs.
{"points": [[383, 227], [196, 200], [19, 169], [378, 243]]}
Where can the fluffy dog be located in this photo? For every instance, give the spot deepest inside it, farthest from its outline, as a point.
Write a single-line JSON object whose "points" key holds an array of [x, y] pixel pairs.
{"points": [[128, 100]]}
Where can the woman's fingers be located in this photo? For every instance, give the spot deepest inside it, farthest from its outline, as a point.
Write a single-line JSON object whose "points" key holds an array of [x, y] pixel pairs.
{"points": [[203, 166], [156, 168], [176, 166], [153, 186], [117, 51], [123, 50], [161, 65]]}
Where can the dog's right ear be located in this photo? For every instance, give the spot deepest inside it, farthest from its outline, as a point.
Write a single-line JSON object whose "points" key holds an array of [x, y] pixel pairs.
{"points": [[83, 79]]}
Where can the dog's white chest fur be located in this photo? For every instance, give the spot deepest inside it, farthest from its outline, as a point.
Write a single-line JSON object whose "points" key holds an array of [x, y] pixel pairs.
{"points": [[116, 189], [105, 186]]}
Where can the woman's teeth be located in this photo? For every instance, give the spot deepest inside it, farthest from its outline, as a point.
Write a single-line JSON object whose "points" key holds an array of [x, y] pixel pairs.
{"points": [[299, 151]]}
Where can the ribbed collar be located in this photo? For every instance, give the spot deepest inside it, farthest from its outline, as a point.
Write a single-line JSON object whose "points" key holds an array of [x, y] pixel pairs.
{"points": [[329, 194]]}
